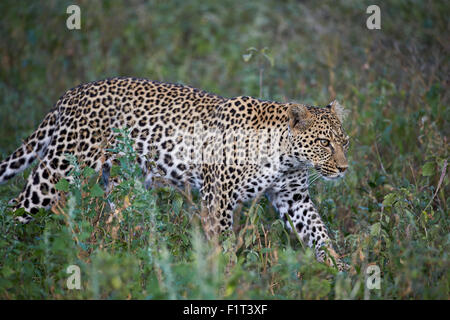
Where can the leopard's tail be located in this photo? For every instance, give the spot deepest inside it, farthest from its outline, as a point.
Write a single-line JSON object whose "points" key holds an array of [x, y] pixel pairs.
{"points": [[33, 147]]}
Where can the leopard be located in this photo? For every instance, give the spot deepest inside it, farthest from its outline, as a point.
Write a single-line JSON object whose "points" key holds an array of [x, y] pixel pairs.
{"points": [[232, 150]]}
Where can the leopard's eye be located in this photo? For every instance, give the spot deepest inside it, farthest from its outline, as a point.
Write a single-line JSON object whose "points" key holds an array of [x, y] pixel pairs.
{"points": [[325, 142]]}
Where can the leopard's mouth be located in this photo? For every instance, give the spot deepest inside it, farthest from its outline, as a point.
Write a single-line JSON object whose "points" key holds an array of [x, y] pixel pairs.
{"points": [[334, 177], [329, 175]]}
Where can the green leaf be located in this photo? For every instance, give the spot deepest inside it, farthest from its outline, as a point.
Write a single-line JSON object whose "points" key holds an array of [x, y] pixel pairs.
{"points": [[96, 191], [139, 204], [88, 172], [389, 199], [177, 203], [375, 229], [247, 57], [114, 172], [7, 271], [425, 216], [62, 185], [270, 59], [428, 169]]}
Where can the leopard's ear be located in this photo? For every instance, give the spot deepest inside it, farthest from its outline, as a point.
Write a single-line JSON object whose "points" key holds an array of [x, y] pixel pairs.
{"points": [[338, 110], [299, 117]]}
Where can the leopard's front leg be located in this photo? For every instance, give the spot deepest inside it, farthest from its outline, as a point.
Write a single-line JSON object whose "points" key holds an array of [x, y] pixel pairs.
{"points": [[217, 205], [290, 196]]}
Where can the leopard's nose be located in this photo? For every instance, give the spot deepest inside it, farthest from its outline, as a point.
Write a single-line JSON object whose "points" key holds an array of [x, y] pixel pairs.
{"points": [[342, 168]]}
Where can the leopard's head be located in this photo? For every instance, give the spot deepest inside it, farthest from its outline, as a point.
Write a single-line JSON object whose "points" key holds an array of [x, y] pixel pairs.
{"points": [[317, 137]]}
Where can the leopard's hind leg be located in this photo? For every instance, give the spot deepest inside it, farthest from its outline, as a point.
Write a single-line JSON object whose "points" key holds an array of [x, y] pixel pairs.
{"points": [[39, 191]]}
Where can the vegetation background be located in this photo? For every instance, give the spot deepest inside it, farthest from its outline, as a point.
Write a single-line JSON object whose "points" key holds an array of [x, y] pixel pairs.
{"points": [[390, 210]]}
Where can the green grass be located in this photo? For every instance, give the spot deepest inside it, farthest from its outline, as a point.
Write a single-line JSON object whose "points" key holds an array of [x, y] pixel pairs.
{"points": [[391, 209]]}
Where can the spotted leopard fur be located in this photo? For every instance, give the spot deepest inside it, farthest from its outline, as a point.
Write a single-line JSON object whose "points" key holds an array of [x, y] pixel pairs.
{"points": [[164, 120]]}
